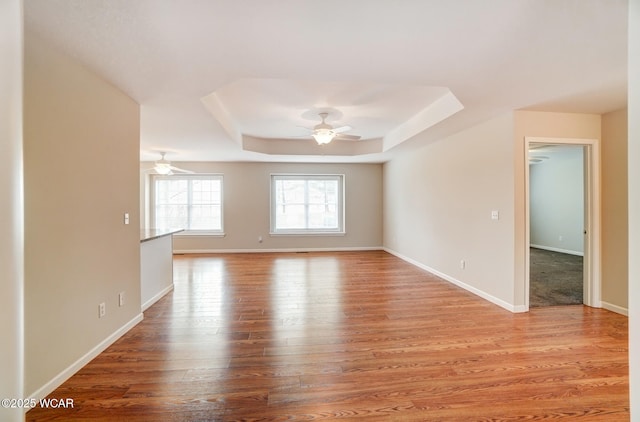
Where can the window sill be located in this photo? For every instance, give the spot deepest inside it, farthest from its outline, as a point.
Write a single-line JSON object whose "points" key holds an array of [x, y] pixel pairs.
{"points": [[276, 234], [195, 233]]}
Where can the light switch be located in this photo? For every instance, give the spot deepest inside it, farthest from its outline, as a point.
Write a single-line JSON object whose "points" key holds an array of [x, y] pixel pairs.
{"points": [[126, 218], [495, 215]]}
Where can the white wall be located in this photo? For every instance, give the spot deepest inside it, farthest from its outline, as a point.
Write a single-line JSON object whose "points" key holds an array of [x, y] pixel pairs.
{"points": [[438, 203], [81, 153], [634, 207], [557, 200], [246, 188], [156, 270], [11, 208]]}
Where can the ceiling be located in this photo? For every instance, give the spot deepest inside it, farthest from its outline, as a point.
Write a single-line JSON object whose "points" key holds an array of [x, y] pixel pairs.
{"points": [[229, 80]]}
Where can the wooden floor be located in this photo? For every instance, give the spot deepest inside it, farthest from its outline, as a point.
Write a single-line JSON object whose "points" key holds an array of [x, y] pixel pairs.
{"points": [[363, 335]]}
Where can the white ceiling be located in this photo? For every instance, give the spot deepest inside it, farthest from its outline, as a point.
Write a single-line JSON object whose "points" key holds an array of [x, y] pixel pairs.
{"points": [[218, 80]]}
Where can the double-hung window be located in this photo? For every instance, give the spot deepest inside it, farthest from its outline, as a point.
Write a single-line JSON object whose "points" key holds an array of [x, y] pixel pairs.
{"points": [[190, 202], [307, 204]]}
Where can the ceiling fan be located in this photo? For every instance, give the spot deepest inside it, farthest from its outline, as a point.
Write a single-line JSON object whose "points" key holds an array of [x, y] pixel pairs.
{"points": [[324, 133], [164, 167]]}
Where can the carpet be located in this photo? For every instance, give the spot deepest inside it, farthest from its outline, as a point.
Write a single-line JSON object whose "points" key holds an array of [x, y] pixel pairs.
{"points": [[555, 278]]}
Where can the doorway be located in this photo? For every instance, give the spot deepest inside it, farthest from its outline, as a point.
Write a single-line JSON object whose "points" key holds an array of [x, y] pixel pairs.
{"points": [[556, 209], [591, 212]]}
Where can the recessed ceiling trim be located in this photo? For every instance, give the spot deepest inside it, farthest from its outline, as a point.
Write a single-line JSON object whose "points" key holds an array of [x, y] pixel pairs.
{"points": [[445, 106], [213, 104], [337, 147], [257, 112]]}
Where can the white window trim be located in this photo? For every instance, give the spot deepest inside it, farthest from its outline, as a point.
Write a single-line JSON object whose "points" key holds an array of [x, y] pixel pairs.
{"points": [[186, 232], [341, 231]]}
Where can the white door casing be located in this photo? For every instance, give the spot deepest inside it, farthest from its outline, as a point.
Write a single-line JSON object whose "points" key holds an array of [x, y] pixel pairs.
{"points": [[592, 239]]}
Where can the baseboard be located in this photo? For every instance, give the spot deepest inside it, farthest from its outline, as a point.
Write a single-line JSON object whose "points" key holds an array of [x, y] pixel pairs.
{"points": [[615, 308], [496, 301], [344, 249], [156, 298], [57, 381], [552, 249]]}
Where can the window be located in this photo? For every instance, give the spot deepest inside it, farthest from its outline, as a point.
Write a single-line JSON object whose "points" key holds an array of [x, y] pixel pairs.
{"points": [[307, 204], [191, 202]]}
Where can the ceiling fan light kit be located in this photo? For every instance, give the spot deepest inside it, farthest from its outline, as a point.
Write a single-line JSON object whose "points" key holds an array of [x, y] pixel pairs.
{"points": [[324, 133], [323, 136], [164, 167]]}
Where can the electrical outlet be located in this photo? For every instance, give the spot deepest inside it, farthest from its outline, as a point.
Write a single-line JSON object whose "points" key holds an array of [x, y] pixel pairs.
{"points": [[463, 264], [102, 310], [121, 299]]}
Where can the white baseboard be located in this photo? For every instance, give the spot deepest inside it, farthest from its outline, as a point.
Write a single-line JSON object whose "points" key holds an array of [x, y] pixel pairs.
{"points": [[57, 381], [477, 292], [615, 308], [156, 298], [552, 249], [345, 249]]}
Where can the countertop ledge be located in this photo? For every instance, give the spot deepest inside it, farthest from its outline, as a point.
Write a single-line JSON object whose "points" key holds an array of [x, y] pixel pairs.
{"points": [[150, 234]]}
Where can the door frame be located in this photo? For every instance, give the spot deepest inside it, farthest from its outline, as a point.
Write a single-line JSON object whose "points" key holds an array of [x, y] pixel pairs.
{"points": [[592, 235]]}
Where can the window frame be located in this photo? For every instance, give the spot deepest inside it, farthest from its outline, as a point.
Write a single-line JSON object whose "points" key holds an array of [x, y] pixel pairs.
{"points": [[340, 206], [198, 176]]}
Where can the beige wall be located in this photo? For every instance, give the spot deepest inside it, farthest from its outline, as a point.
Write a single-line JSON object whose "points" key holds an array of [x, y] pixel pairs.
{"points": [[438, 200], [615, 262], [11, 208], [81, 149], [246, 208], [610, 130], [634, 207], [545, 125], [438, 203]]}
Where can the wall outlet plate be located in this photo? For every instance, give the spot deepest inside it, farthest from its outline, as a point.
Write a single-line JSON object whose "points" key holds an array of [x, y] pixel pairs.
{"points": [[102, 310]]}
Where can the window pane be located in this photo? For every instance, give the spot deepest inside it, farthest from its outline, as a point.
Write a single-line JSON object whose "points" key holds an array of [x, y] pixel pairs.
{"points": [[306, 203], [169, 216], [290, 191], [172, 191], [323, 217], [205, 217], [189, 202], [290, 217]]}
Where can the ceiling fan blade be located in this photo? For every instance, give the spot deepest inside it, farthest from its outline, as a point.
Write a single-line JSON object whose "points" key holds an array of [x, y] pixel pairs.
{"points": [[346, 137], [342, 129], [180, 170]]}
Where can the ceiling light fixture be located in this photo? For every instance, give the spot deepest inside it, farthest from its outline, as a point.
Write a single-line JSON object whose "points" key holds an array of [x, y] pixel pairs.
{"points": [[323, 136], [323, 133], [163, 168]]}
